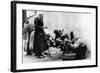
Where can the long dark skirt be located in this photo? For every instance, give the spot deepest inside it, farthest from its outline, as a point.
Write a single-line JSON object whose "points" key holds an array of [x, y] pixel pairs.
{"points": [[39, 42]]}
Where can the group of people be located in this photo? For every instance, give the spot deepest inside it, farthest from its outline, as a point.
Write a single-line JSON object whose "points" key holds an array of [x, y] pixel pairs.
{"points": [[39, 36], [68, 44], [42, 41]]}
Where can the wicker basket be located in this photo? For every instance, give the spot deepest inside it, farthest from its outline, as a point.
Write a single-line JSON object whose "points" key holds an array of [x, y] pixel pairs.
{"points": [[69, 56], [55, 53]]}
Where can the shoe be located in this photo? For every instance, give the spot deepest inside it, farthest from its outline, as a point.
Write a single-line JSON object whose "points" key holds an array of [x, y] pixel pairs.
{"points": [[29, 53], [40, 56]]}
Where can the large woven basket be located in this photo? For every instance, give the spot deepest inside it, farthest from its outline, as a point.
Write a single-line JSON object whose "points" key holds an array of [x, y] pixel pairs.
{"points": [[55, 53], [69, 56]]}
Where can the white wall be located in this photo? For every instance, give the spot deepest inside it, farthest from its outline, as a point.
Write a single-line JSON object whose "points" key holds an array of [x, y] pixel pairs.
{"points": [[77, 22], [5, 36]]}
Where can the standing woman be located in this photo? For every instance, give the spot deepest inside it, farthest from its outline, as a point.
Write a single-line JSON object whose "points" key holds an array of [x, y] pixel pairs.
{"points": [[39, 37], [27, 31]]}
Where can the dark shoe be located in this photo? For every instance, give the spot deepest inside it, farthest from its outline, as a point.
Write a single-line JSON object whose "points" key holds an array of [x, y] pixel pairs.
{"points": [[46, 53], [29, 53], [40, 56]]}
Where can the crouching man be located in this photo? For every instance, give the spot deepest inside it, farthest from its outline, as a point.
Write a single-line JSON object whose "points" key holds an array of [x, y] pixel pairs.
{"points": [[80, 48]]}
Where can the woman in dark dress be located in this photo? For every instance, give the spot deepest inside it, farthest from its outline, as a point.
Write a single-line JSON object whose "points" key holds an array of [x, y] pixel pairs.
{"points": [[39, 37]]}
